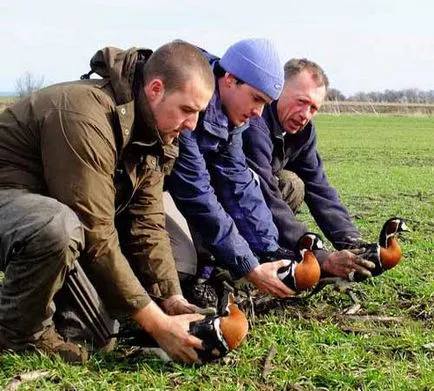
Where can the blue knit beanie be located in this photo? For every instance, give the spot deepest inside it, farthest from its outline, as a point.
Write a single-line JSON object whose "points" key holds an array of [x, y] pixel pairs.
{"points": [[256, 62]]}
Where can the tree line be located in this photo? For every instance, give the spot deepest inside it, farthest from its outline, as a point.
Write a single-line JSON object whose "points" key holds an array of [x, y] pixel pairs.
{"points": [[409, 95], [28, 82]]}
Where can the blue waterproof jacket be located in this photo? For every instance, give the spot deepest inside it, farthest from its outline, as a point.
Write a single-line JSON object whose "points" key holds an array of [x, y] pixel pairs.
{"points": [[268, 152], [216, 192]]}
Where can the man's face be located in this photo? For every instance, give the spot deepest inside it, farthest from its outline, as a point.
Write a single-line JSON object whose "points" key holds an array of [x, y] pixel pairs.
{"points": [[241, 101], [300, 100], [178, 109]]}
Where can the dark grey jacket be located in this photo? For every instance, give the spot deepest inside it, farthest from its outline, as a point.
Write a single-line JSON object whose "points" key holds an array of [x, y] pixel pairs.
{"points": [[268, 152]]}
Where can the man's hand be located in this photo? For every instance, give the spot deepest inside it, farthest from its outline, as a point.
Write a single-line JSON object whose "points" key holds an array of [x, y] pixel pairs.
{"points": [[343, 263], [178, 305], [265, 278], [171, 332]]}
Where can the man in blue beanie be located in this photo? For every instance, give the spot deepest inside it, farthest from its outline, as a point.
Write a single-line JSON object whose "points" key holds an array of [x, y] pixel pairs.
{"points": [[211, 184]]}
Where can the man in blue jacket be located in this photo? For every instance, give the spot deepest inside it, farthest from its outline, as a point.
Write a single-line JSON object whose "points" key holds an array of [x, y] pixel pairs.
{"points": [[211, 183], [281, 148]]}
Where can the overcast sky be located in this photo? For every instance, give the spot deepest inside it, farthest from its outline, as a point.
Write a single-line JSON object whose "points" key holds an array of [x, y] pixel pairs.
{"points": [[363, 45]]}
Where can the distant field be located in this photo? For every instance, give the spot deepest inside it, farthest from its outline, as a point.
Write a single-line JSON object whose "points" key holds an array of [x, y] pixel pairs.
{"points": [[337, 108], [5, 101], [333, 107], [382, 166]]}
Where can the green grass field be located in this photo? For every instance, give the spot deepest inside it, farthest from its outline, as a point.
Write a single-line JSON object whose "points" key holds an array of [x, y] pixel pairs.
{"points": [[382, 166]]}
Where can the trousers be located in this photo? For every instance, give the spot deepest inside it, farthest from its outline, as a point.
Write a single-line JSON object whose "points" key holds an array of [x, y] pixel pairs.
{"points": [[181, 241], [292, 189], [40, 238]]}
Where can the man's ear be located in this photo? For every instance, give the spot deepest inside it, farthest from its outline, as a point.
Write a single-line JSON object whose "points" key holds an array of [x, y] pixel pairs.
{"points": [[229, 79], [154, 89]]}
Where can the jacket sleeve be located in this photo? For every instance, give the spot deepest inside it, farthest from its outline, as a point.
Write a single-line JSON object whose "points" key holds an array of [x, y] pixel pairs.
{"points": [[79, 157], [321, 198], [190, 186], [241, 196], [145, 240], [258, 148]]}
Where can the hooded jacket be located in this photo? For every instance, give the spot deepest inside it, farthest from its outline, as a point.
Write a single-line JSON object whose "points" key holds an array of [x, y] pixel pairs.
{"points": [[92, 146], [268, 152]]}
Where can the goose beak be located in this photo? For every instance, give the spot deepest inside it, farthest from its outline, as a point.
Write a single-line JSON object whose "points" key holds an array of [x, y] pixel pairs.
{"points": [[404, 227]]}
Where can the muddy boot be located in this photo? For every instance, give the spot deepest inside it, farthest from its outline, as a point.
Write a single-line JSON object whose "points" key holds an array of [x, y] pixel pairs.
{"points": [[200, 292], [51, 343]]}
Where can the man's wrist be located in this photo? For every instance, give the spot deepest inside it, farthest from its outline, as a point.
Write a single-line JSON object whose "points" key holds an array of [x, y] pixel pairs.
{"points": [[151, 318], [245, 266], [326, 266], [171, 301], [252, 275], [322, 255]]}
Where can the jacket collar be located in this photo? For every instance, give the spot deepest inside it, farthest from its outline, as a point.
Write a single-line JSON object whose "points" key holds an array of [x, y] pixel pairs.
{"points": [[125, 115], [138, 127], [145, 128], [136, 121], [272, 120], [215, 120], [146, 133]]}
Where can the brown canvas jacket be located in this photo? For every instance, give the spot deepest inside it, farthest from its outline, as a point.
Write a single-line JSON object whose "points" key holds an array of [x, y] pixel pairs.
{"points": [[78, 142]]}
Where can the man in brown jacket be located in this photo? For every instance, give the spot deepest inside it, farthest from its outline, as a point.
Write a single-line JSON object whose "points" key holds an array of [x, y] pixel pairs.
{"points": [[81, 176]]}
